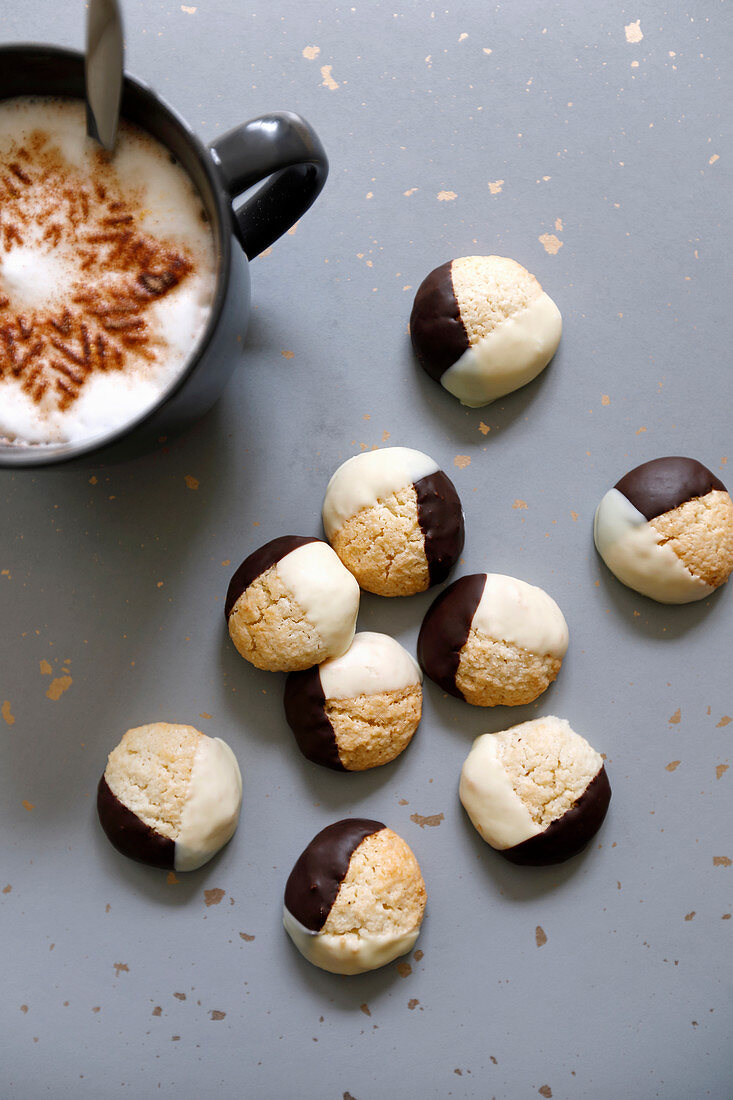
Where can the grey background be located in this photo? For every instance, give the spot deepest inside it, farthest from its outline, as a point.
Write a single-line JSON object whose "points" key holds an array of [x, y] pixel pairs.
{"points": [[116, 574]]}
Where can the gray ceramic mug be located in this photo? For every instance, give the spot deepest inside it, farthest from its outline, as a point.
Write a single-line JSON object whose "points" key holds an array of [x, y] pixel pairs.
{"points": [[280, 149]]}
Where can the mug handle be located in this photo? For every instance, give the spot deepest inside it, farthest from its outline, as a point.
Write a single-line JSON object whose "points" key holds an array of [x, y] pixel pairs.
{"points": [[283, 147]]}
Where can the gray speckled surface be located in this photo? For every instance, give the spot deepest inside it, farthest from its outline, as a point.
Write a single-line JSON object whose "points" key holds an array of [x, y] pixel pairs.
{"points": [[601, 160]]}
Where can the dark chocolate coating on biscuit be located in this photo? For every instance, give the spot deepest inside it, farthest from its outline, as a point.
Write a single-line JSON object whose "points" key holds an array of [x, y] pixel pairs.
{"points": [[305, 711], [663, 484], [259, 561], [437, 330], [440, 516], [570, 833], [445, 630], [129, 834], [315, 879]]}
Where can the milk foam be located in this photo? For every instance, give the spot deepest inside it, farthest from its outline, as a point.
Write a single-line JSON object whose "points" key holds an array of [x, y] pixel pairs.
{"points": [[69, 390]]}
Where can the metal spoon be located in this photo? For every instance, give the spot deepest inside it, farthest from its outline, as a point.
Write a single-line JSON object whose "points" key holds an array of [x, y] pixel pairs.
{"points": [[103, 68]]}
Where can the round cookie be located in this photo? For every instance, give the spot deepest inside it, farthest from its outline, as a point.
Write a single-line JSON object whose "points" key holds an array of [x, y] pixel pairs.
{"points": [[537, 792], [355, 898], [170, 796], [291, 604], [395, 520], [666, 530], [359, 710], [482, 326], [493, 640]]}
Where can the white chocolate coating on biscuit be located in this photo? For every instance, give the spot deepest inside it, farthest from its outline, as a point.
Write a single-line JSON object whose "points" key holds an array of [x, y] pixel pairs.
{"points": [[509, 357], [325, 590], [364, 480], [350, 953], [211, 810], [510, 610], [373, 663], [632, 550], [495, 809]]}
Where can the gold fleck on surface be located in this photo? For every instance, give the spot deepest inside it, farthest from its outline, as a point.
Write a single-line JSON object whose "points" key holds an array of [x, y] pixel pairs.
{"points": [[157, 1011], [713, 158], [404, 970], [721, 861], [119, 967], [180, 996], [720, 770], [573, 516], [385, 435], [673, 765], [550, 243], [519, 504], [7, 889], [640, 430], [495, 186], [246, 937], [446, 196], [191, 482], [558, 225], [418, 955], [724, 721], [484, 428], [24, 1008], [545, 1090], [188, 10], [413, 1003], [310, 53], [287, 354], [365, 1009], [227, 561], [92, 480], [7, 713], [45, 667], [431, 819], [57, 687], [676, 718], [213, 897], [216, 1014], [633, 32], [540, 936], [689, 916], [328, 81], [461, 461], [171, 879], [28, 805], [605, 399]]}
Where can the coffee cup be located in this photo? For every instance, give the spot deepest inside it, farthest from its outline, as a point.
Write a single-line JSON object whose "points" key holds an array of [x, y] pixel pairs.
{"points": [[279, 152]]}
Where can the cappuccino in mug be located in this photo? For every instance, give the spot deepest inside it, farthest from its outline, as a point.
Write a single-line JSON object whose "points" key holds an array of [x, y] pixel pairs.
{"points": [[107, 273]]}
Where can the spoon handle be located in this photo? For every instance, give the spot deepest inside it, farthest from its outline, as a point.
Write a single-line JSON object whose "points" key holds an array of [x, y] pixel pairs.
{"points": [[103, 70]]}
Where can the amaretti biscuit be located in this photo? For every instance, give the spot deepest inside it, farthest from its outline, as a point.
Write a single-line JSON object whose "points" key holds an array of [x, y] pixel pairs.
{"points": [[666, 530], [395, 520], [359, 710], [355, 899], [170, 796], [482, 326], [493, 640], [536, 792], [291, 604]]}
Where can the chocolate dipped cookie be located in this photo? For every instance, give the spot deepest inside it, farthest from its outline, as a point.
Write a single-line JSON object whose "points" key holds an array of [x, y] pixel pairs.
{"points": [[291, 604], [395, 520], [482, 326], [537, 792], [170, 796], [355, 898], [359, 710], [666, 530], [493, 640]]}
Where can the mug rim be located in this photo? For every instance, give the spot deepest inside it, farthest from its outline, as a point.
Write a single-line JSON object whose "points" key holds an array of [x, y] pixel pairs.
{"points": [[39, 454]]}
